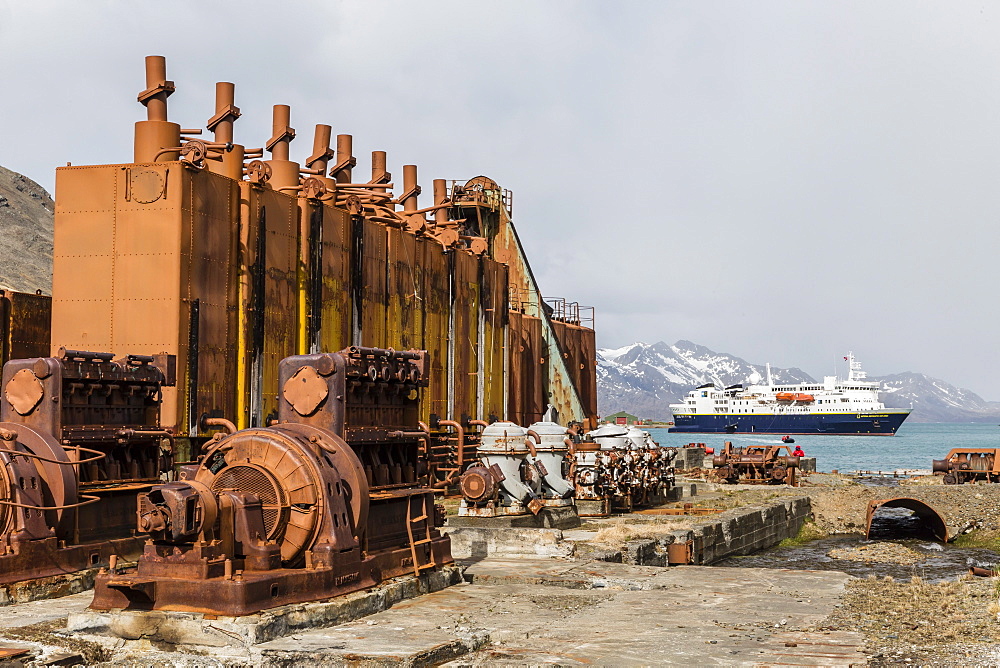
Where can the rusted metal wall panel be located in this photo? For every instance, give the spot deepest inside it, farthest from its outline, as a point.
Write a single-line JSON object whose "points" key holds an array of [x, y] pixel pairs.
{"points": [[587, 362], [210, 208], [137, 248], [578, 349], [527, 400], [405, 311], [269, 312], [335, 281], [437, 270], [494, 310], [536, 361], [27, 319], [373, 285], [465, 334]]}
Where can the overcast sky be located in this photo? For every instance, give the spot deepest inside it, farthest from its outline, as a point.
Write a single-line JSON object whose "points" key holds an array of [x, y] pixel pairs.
{"points": [[783, 181]]}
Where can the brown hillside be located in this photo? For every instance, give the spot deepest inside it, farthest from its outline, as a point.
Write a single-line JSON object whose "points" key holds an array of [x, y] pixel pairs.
{"points": [[25, 234]]}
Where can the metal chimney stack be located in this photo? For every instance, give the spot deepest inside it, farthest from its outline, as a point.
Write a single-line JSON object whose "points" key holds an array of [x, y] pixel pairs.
{"points": [[284, 172], [319, 161], [156, 133], [226, 112], [410, 188], [345, 159]]}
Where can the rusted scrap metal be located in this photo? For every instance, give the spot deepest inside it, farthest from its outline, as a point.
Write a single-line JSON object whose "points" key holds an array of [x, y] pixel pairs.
{"points": [[930, 518], [756, 464], [331, 499], [963, 465], [621, 468], [80, 440]]}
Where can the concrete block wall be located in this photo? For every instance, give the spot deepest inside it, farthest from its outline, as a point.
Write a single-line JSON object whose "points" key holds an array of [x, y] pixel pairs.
{"points": [[734, 532], [689, 458]]}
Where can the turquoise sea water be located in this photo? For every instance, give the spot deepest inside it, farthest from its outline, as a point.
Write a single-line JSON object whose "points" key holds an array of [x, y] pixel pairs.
{"points": [[913, 447]]}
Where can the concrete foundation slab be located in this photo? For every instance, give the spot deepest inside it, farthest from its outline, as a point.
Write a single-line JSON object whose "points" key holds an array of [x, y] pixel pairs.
{"points": [[48, 587], [480, 542], [614, 615], [196, 629], [552, 517]]}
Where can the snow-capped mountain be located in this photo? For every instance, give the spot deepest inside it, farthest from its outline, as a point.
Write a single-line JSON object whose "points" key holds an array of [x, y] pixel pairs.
{"points": [[934, 400], [644, 379]]}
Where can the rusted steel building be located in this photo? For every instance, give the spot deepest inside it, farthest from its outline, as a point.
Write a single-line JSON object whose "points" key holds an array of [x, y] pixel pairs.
{"points": [[202, 249]]}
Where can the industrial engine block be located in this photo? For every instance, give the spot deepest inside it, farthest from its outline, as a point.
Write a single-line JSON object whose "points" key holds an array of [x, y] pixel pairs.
{"points": [[79, 440], [331, 498]]}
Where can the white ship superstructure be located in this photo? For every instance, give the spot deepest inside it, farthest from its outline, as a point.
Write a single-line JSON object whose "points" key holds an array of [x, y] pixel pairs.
{"points": [[835, 406]]}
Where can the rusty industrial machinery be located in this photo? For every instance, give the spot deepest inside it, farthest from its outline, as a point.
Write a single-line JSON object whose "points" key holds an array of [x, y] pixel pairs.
{"points": [[619, 468], [80, 439], [332, 498], [264, 258], [518, 471], [228, 270], [756, 464], [963, 465]]}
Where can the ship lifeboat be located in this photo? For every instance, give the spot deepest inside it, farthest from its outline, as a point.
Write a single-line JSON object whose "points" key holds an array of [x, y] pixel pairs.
{"points": [[795, 396]]}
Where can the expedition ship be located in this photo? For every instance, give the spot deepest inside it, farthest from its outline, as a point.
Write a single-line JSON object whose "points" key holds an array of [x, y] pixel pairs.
{"points": [[834, 406]]}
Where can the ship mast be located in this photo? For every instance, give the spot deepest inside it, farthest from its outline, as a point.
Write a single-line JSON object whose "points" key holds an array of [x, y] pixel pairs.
{"points": [[768, 367], [854, 369]]}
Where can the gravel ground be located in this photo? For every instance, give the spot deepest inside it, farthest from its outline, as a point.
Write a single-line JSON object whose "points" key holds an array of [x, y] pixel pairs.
{"points": [[918, 623]]}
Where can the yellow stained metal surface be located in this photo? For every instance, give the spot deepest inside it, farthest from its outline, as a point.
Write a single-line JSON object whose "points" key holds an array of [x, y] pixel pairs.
{"points": [[373, 288], [465, 361], [494, 308], [335, 316], [436, 271]]}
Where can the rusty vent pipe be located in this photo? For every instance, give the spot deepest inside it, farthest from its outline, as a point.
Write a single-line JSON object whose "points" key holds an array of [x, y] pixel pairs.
{"points": [[156, 133], [284, 172], [226, 113]]}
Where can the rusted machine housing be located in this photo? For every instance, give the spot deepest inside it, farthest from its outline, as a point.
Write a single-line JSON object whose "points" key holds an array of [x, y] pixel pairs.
{"points": [[756, 464], [506, 477], [330, 499], [81, 439], [963, 465], [619, 468]]}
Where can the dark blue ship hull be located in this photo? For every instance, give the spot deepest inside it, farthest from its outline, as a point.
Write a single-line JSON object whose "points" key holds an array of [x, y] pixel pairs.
{"points": [[871, 423]]}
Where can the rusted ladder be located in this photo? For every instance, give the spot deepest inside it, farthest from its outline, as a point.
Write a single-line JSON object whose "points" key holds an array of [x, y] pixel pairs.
{"points": [[410, 521]]}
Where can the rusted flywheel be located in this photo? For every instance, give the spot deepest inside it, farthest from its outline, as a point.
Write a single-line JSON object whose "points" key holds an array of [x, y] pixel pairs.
{"points": [[294, 470], [57, 480]]}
